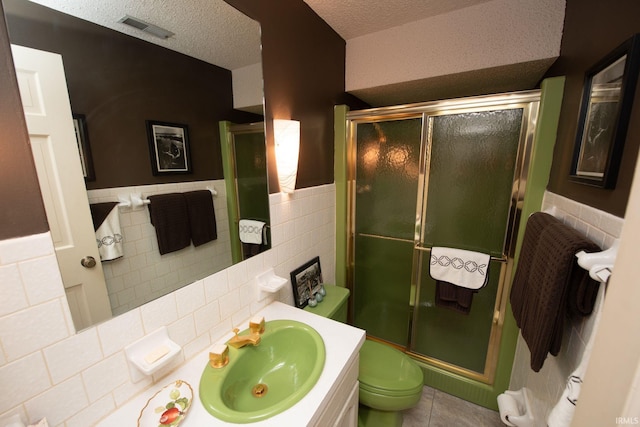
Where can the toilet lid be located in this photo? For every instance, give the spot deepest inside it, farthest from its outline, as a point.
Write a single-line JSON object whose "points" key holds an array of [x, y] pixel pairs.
{"points": [[383, 369]]}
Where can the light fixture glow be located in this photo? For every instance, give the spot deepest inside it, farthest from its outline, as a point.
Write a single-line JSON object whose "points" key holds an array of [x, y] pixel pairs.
{"points": [[286, 134]]}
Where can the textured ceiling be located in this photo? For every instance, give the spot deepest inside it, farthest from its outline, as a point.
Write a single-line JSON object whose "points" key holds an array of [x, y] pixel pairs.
{"points": [[210, 30], [354, 18]]}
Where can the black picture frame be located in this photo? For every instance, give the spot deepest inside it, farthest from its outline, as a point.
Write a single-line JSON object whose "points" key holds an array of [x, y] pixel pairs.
{"points": [[169, 148], [84, 148], [607, 98], [306, 280]]}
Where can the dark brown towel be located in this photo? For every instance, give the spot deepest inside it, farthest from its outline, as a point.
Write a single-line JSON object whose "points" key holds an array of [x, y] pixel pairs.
{"points": [[453, 297], [202, 217], [170, 217], [546, 272], [535, 224], [99, 212]]}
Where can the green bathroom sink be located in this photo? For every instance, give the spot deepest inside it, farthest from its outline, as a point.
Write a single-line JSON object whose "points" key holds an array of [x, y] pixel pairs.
{"points": [[262, 381]]}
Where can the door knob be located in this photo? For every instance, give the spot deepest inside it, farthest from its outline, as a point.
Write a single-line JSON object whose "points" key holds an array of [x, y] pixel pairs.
{"points": [[88, 262]]}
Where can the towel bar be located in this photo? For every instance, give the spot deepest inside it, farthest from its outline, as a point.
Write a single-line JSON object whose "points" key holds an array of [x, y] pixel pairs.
{"points": [[599, 264], [493, 258], [135, 200]]}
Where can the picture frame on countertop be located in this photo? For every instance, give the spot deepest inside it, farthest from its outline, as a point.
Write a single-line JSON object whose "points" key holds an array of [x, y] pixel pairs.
{"points": [[306, 280]]}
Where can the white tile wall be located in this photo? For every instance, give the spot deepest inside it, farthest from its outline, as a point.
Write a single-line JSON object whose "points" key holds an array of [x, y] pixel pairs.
{"points": [[75, 379], [143, 274], [547, 385]]}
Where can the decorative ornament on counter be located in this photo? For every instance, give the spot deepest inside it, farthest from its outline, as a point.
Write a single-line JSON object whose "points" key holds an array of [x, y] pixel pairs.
{"points": [[168, 407]]}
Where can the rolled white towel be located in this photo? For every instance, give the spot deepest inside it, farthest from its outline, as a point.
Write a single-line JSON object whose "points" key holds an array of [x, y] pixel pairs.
{"points": [[562, 414]]}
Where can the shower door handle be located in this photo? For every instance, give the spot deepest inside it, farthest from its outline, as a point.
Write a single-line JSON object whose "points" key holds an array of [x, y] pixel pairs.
{"points": [[496, 316]]}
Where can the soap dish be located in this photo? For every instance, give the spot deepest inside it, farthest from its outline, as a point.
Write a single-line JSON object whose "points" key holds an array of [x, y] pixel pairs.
{"points": [[269, 283], [152, 352]]}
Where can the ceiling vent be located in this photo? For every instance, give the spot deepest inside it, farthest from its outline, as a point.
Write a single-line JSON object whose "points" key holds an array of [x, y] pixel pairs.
{"points": [[146, 27]]}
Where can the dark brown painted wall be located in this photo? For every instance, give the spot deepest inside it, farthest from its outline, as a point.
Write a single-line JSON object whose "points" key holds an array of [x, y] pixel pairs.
{"points": [[21, 211], [304, 62], [592, 29], [118, 82], [303, 68]]}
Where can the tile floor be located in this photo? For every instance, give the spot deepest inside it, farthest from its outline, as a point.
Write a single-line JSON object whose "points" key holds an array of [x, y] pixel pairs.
{"points": [[438, 409]]}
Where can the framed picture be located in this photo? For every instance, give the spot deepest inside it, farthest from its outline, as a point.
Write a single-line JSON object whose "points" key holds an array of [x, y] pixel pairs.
{"points": [[306, 281], [84, 149], [169, 148], [607, 98]]}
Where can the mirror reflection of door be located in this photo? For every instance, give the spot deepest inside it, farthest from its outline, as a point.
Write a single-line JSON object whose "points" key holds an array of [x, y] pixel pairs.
{"points": [[118, 82], [47, 109], [250, 196]]}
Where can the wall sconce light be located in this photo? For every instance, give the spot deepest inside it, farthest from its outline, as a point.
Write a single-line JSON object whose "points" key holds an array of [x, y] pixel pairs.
{"points": [[286, 134]]}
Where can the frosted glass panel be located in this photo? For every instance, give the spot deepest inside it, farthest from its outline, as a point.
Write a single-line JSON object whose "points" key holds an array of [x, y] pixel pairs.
{"points": [[251, 172], [450, 336], [387, 177], [381, 297], [473, 157], [386, 190]]}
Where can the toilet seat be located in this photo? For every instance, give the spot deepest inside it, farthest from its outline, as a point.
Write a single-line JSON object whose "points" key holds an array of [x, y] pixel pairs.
{"points": [[389, 379]]}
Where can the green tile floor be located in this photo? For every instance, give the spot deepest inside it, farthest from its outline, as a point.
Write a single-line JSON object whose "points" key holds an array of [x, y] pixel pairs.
{"points": [[438, 409]]}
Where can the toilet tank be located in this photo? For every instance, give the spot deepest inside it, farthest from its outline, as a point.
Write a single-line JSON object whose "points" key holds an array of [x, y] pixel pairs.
{"points": [[334, 304]]}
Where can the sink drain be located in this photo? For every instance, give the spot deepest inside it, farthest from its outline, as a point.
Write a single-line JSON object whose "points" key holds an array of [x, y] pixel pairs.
{"points": [[259, 390]]}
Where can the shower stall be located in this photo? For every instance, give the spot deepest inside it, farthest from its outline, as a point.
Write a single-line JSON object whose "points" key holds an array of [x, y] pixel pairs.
{"points": [[244, 161], [439, 174]]}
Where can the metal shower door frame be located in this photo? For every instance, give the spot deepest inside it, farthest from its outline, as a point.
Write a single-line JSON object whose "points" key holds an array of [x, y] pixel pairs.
{"points": [[528, 101]]}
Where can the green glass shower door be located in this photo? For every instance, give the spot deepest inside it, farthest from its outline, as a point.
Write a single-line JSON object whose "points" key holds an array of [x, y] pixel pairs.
{"points": [[252, 190], [469, 185], [387, 175], [251, 176]]}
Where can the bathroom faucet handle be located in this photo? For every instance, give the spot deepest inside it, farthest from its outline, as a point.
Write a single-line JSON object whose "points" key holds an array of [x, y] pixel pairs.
{"points": [[219, 356], [256, 325]]}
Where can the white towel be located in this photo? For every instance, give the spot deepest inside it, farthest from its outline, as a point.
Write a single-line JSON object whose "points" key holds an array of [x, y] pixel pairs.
{"points": [[562, 414], [462, 268], [251, 231], [109, 237]]}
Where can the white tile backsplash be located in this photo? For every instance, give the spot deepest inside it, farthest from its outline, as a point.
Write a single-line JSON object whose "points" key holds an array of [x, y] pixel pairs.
{"points": [[55, 404], [76, 379], [72, 355], [120, 331], [41, 279], [32, 329], [547, 385], [101, 378], [14, 295], [22, 380]]}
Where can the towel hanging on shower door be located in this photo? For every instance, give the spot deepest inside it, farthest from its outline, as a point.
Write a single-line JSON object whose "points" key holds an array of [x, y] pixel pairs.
{"points": [[458, 274]]}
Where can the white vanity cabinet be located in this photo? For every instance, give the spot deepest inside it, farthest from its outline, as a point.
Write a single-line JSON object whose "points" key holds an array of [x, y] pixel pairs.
{"points": [[342, 408]]}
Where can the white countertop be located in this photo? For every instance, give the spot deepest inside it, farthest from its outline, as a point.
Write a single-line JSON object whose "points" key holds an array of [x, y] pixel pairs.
{"points": [[342, 343]]}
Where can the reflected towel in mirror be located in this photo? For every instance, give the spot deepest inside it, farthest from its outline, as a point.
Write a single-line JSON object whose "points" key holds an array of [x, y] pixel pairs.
{"points": [[251, 231], [106, 223], [202, 216], [170, 217]]}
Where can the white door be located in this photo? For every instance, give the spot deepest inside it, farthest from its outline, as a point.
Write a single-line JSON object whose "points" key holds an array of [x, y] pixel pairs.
{"points": [[43, 89]]}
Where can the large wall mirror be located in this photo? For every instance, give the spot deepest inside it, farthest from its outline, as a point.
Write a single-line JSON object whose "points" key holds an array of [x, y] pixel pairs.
{"points": [[203, 79]]}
